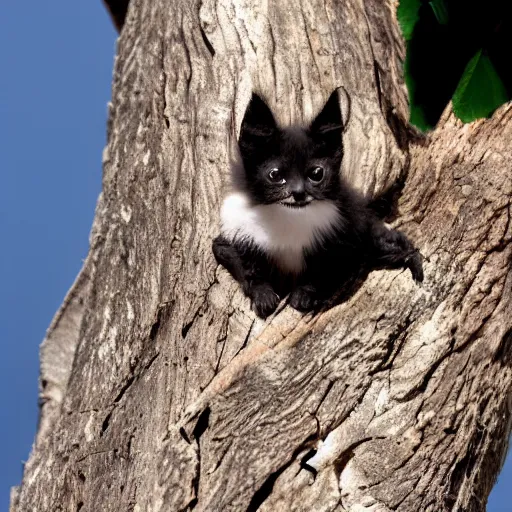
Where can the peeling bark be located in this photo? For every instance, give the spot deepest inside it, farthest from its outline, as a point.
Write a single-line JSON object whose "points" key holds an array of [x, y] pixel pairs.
{"points": [[164, 392]]}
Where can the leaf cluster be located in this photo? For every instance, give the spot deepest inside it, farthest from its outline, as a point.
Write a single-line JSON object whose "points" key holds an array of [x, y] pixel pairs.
{"points": [[458, 50]]}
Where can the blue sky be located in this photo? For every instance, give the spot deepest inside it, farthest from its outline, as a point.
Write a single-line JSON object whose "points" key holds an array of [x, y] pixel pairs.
{"points": [[56, 62]]}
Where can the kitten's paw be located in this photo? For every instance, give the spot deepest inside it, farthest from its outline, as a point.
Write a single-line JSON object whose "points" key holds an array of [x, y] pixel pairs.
{"points": [[264, 300], [415, 265], [396, 251], [410, 257], [304, 299]]}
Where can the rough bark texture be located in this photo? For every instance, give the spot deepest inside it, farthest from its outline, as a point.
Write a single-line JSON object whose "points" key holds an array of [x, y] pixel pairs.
{"points": [[165, 393]]}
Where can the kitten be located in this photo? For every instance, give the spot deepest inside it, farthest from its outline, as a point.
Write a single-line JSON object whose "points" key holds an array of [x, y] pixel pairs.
{"points": [[291, 224]]}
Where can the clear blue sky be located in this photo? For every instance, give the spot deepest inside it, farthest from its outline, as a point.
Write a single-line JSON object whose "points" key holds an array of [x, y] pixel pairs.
{"points": [[56, 59]]}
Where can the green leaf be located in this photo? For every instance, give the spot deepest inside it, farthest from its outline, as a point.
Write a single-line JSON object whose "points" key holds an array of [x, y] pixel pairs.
{"points": [[440, 11], [480, 90], [408, 16], [459, 47]]}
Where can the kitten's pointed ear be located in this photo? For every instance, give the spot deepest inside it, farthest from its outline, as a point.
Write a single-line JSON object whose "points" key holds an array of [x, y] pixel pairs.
{"points": [[258, 125], [327, 127], [329, 119]]}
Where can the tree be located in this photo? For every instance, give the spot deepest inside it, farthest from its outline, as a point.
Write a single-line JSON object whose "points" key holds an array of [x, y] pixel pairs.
{"points": [[162, 391]]}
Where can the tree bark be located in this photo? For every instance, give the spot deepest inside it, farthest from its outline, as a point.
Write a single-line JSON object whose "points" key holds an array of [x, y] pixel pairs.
{"points": [[161, 389]]}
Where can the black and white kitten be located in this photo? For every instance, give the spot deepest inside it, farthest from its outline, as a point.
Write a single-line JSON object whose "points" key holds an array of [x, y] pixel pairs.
{"points": [[291, 224]]}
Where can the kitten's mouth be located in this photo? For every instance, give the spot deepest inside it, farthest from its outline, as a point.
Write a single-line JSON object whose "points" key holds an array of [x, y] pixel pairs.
{"points": [[296, 205]]}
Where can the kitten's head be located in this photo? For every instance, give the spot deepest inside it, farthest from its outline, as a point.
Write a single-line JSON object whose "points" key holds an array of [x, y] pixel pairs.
{"points": [[292, 166]]}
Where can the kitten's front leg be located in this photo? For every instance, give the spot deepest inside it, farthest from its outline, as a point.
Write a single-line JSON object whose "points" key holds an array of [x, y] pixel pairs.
{"points": [[250, 269], [394, 250]]}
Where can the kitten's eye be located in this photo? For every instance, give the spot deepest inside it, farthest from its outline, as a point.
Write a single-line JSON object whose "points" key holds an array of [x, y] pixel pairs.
{"points": [[316, 174], [276, 176]]}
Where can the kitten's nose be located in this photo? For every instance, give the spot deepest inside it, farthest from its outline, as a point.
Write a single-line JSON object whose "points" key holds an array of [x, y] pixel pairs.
{"points": [[298, 190], [299, 195]]}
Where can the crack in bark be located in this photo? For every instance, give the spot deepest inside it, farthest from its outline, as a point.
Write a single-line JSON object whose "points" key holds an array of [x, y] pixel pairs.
{"points": [[207, 43], [187, 55], [99, 452], [265, 490], [206, 40], [246, 339], [199, 430], [125, 388], [246, 34], [223, 341], [304, 463], [391, 350], [199, 310], [272, 54], [106, 422], [149, 364], [135, 376], [165, 82], [221, 458], [503, 353], [188, 325], [330, 385], [156, 324], [184, 435]]}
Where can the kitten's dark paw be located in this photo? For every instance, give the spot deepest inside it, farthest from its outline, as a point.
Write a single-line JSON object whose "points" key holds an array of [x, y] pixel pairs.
{"points": [[264, 300], [304, 299], [415, 265], [397, 251], [409, 255]]}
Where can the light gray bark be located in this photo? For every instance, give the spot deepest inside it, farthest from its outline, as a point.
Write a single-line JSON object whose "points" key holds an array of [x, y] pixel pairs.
{"points": [[177, 397]]}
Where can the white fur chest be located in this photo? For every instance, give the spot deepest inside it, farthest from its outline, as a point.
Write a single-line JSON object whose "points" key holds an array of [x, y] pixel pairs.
{"points": [[283, 233]]}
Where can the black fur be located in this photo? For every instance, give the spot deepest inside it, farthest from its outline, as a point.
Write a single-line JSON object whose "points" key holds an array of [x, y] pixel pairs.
{"points": [[361, 243]]}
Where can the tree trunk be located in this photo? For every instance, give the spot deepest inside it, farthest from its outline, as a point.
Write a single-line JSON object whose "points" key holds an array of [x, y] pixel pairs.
{"points": [[163, 392]]}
